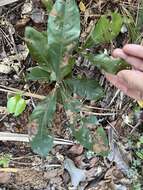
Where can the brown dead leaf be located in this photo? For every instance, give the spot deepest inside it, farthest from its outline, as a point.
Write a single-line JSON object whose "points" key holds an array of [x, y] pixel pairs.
{"points": [[53, 173], [76, 149], [94, 161], [32, 128], [31, 177], [82, 6], [4, 177], [99, 146]]}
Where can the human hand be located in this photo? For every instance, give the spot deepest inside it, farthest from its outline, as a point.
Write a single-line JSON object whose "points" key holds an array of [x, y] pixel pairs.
{"points": [[129, 81]]}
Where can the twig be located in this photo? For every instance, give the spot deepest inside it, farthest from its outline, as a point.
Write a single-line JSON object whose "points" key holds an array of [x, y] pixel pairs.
{"points": [[6, 136], [14, 170], [97, 108], [98, 114], [116, 94], [6, 2], [135, 127], [15, 91]]}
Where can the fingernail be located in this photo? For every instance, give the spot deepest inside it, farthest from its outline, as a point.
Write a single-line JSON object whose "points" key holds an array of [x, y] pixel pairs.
{"points": [[119, 53]]}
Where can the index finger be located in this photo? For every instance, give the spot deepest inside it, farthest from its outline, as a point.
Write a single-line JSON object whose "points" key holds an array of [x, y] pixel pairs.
{"points": [[134, 50]]}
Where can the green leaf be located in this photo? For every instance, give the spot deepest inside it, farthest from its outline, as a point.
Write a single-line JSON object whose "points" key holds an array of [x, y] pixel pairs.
{"points": [[38, 47], [105, 30], [20, 107], [141, 140], [5, 160], [73, 105], [92, 119], [64, 23], [48, 4], [67, 69], [106, 63], [116, 24], [16, 105], [63, 32], [38, 73], [84, 137], [87, 88], [44, 112], [139, 153], [11, 104], [42, 143]]}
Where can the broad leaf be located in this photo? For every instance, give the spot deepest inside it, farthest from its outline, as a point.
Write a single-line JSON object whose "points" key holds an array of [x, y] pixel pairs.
{"points": [[86, 88], [37, 45], [20, 107], [105, 30], [66, 70], [84, 137], [64, 23], [106, 63], [62, 31], [73, 105], [42, 143], [44, 112], [11, 104], [16, 105], [116, 24], [38, 73], [92, 119]]}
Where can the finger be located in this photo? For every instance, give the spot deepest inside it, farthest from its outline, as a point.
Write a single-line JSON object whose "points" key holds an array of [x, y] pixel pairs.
{"points": [[132, 78], [134, 50], [135, 94], [134, 61], [119, 53], [116, 81], [124, 84]]}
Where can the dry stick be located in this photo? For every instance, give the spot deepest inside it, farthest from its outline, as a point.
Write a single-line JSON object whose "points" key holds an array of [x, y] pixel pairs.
{"points": [[96, 108], [6, 2], [98, 114], [5, 136], [15, 91]]}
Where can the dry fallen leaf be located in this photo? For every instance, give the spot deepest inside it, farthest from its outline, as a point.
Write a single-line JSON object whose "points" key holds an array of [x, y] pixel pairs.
{"points": [[140, 103], [4, 177], [82, 6], [5, 69], [76, 149], [6, 2], [77, 175]]}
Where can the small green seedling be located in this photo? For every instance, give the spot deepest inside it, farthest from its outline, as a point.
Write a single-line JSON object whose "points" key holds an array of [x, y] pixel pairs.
{"points": [[16, 105], [5, 160]]}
